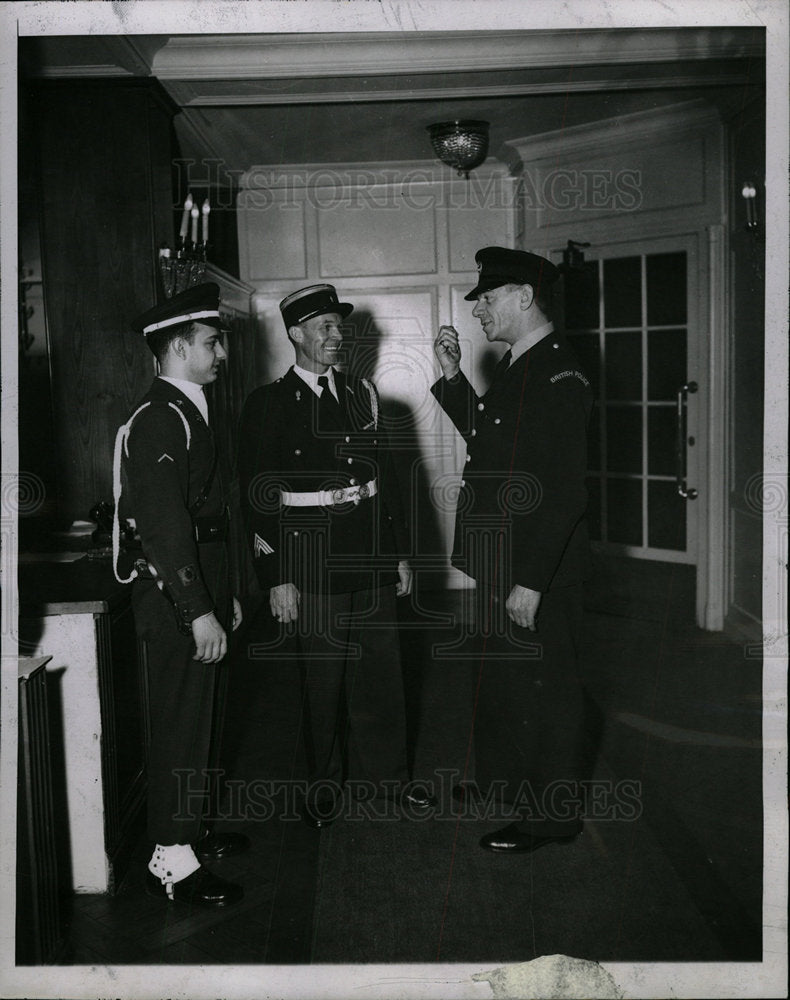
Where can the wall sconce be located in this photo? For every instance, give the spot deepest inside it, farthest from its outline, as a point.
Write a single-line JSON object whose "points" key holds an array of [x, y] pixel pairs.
{"points": [[749, 192], [460, 144], [573, 256]]}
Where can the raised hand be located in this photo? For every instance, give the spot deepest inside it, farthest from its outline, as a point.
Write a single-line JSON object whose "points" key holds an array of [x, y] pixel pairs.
{"points": [[448, 351]]}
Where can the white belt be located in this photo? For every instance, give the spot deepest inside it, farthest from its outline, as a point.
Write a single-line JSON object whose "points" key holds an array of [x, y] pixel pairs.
{"points": [[329, 498]]}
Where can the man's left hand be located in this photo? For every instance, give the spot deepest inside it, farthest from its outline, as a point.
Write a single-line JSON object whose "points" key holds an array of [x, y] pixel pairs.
{"points": [[237, 615], [405, 577], [522, 606]]}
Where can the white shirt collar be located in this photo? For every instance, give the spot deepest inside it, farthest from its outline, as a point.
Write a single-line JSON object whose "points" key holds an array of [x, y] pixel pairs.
{"points": [[192, 391], [521, 346], [311, 378]]}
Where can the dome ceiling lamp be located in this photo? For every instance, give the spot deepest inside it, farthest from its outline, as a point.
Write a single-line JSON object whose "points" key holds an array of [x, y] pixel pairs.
{"points": [[462, 144]]}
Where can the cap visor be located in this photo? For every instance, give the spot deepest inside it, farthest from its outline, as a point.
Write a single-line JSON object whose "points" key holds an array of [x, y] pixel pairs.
{"points": [[343, 309], [485, 286]]}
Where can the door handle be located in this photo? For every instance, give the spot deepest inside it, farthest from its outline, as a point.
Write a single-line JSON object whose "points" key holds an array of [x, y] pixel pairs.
{"points": [[684, 491]]}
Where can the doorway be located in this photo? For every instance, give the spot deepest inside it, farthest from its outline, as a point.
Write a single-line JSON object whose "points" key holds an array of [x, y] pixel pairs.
{"points": [[632, 313]]}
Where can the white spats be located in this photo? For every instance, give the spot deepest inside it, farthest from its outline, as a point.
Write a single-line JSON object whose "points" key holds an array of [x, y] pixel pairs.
{"points": [[172, 863]]}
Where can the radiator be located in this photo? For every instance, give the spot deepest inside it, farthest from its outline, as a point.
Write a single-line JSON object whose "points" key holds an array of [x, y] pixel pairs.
{"points": [[39, 935]]}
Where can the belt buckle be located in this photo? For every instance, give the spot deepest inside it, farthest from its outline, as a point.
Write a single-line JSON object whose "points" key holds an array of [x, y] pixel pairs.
{"points": [[338, 496], [364, 491]]}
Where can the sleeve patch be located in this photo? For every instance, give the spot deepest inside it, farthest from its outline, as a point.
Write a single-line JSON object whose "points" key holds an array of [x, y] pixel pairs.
{"points": [[262, 547], [187, 575]]}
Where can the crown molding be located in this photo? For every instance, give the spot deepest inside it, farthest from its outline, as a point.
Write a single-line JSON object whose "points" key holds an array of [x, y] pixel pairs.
{"points": [[229, 57], [639, 126], [189, 95]]}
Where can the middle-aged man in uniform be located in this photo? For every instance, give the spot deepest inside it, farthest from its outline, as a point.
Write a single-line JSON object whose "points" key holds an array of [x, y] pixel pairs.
{"points": [[181, 596], [520, 533], [329, 538]]}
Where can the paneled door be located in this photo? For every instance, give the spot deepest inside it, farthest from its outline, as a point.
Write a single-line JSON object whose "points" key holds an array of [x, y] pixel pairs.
{"points": [[631, 313]]}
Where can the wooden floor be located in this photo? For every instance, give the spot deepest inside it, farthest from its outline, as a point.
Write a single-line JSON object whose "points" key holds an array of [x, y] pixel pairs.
{"points": [[675, 710]]}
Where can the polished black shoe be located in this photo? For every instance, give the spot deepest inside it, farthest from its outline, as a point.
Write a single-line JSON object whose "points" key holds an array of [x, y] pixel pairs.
{"points": [[321, 813], [217, 846], [201, 888], [418, 800], [512, 840]]}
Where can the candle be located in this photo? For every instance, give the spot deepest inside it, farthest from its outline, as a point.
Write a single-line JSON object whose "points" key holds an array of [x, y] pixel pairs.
{"points": [[205, 210], [185, 217], [195, 213]]}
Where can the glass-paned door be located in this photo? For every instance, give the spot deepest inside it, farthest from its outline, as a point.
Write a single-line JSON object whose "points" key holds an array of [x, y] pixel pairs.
{"points": [[629, 317]]}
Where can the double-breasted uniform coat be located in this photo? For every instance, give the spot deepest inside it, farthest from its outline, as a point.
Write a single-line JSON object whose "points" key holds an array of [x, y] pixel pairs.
{"points": [[342, 556], [521, 520], [173, 491]]}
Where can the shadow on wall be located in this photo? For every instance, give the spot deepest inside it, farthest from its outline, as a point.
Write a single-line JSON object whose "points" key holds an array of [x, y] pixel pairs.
{"points": [[364, 339]]}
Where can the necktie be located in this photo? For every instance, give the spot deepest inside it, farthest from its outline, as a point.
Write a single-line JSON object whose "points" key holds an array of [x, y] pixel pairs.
{"points": [[501, 368], [329, 410]]}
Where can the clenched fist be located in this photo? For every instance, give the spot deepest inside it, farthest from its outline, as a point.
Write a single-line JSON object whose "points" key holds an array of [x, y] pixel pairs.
{"points": [[448, 351]]}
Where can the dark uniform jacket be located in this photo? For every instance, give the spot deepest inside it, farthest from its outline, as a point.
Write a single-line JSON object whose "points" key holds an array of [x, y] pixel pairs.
{"points": [[331, 547], [520, 515], [165, 474]]}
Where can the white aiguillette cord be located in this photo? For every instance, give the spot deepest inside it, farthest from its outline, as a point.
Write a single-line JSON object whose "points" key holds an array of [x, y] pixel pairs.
{"points": [[122, 448]]}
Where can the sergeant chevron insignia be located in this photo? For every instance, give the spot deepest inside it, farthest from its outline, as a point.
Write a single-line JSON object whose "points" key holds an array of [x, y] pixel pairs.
{"points": [[262, 547], [164, 456]]}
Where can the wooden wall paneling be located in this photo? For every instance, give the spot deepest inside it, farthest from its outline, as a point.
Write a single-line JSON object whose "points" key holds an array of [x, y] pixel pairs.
{"points": [[476, 213], [105, 172], [272, 236], [389, 231], [658, 172]]}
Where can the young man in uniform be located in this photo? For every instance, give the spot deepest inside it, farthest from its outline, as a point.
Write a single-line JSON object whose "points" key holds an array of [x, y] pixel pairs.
{"points": [[181, 596]]}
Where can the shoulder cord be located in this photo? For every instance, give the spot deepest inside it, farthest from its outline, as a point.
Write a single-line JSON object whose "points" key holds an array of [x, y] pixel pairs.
{"points": [[374, 401], [122, 448]]}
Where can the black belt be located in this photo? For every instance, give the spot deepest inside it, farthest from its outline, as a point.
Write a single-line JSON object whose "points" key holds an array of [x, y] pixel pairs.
{"points": [[212, 529]]}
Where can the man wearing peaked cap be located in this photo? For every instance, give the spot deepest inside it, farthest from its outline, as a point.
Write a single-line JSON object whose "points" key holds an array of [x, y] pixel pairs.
{"points": [[520, 533], [181, 596], [499, 266], [329, 538], [315, 300]]}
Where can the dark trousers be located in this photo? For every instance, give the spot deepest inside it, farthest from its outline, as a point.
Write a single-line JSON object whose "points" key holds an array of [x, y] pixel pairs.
{"points": [[529, 712], [353, 700], [181, 696]]}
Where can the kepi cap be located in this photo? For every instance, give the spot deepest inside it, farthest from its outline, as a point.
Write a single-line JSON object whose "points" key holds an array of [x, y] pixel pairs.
{"points": [[199, 304], [501, 266], [314, 300]]}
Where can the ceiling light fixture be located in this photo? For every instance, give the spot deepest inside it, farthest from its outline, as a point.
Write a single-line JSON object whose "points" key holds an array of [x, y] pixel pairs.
{"points": [[460, 144]]}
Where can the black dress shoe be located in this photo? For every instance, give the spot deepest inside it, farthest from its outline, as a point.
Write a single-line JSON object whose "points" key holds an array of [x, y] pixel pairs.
{"points": [[321, 813], [201, 888], [514, 841], [418, 800], [216, 846]]}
